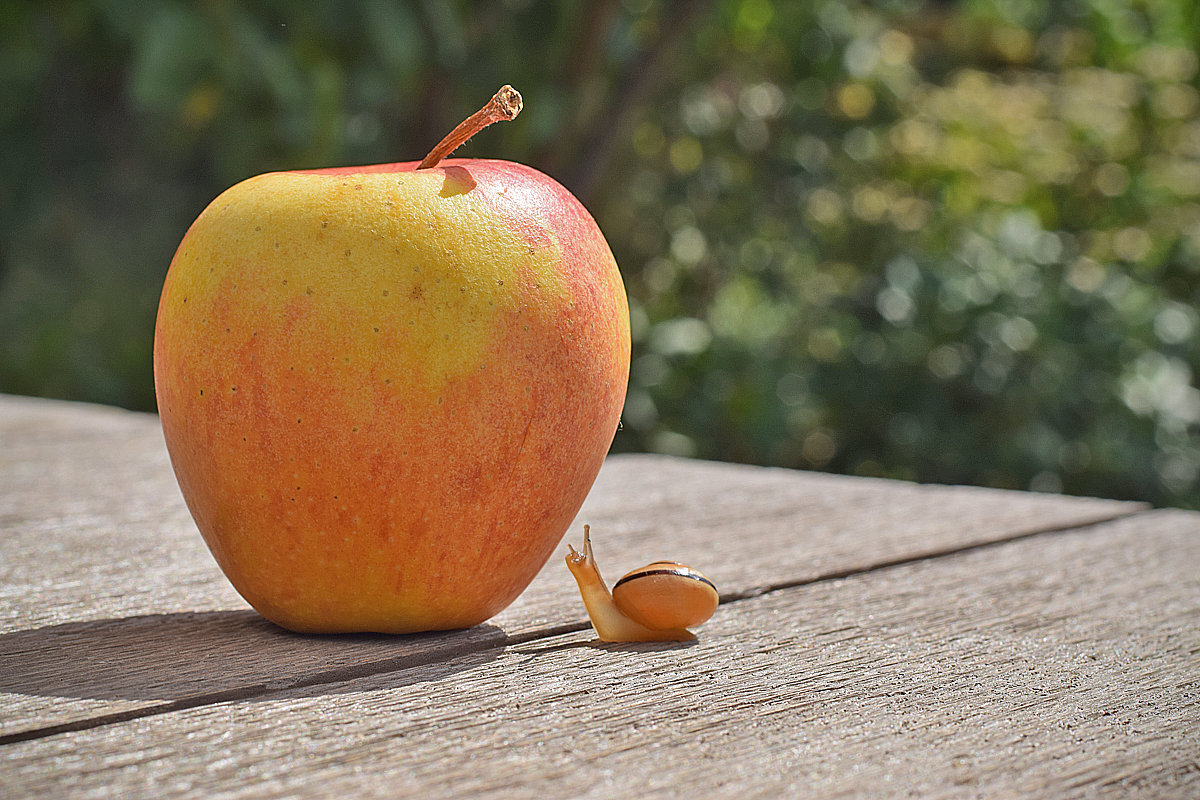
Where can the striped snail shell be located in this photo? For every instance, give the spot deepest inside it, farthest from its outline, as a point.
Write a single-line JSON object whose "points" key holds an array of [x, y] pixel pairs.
{"points": [[666, 594]]}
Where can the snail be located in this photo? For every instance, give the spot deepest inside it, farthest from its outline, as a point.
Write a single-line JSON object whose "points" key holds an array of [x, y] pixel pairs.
{"points": [[654, 603]]}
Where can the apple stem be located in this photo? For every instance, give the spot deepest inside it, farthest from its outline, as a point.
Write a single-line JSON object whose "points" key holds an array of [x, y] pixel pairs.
{"points": [[504, 105]]}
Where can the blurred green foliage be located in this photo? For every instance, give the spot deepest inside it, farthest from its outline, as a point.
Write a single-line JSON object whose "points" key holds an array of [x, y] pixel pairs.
{"points": [[943, 241]]}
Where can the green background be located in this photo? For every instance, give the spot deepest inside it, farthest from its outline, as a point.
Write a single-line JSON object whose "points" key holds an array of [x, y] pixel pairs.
{"points": [[953, 241]]}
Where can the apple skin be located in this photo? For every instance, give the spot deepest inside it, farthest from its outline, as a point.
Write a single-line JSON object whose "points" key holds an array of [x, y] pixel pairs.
{"points": [[386, 392]]}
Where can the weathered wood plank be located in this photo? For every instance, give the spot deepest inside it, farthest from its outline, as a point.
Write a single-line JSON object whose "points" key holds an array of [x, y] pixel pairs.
{"points": [[1063, 665], [98, 555]]}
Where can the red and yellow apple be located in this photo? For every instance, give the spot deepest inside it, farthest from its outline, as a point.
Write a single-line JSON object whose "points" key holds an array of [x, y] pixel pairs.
{"points": [[387, 390]]}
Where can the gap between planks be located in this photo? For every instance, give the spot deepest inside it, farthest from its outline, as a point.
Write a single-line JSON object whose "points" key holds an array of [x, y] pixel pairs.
{"points": [[400, 663]]}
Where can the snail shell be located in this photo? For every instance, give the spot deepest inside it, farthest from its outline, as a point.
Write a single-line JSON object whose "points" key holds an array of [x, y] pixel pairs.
{"points": [[666, 594]]}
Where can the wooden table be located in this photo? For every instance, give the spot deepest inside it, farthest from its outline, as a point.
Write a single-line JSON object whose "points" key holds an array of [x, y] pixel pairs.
{"points": [[876, 638]]}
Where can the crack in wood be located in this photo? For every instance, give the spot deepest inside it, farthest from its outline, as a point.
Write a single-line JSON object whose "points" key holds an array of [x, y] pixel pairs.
{"points": [[928, 555]]}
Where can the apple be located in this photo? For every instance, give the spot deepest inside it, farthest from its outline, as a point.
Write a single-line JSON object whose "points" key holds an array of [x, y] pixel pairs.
{"points": [[386, 390]]}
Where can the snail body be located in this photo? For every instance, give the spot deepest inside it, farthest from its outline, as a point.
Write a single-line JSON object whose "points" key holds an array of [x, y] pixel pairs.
{"points": [[654, 603]]}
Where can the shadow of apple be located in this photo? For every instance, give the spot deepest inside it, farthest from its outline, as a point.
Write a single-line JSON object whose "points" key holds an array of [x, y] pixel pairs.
{"points": [[168, 657]]}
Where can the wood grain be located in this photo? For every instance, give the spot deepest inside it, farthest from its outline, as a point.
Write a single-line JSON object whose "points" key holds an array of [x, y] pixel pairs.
{"points": [[112, 606], [1062, 665]]}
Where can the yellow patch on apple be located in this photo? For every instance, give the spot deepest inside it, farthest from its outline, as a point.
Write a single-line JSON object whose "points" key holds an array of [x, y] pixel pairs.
{"points": [[418, 247]]}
